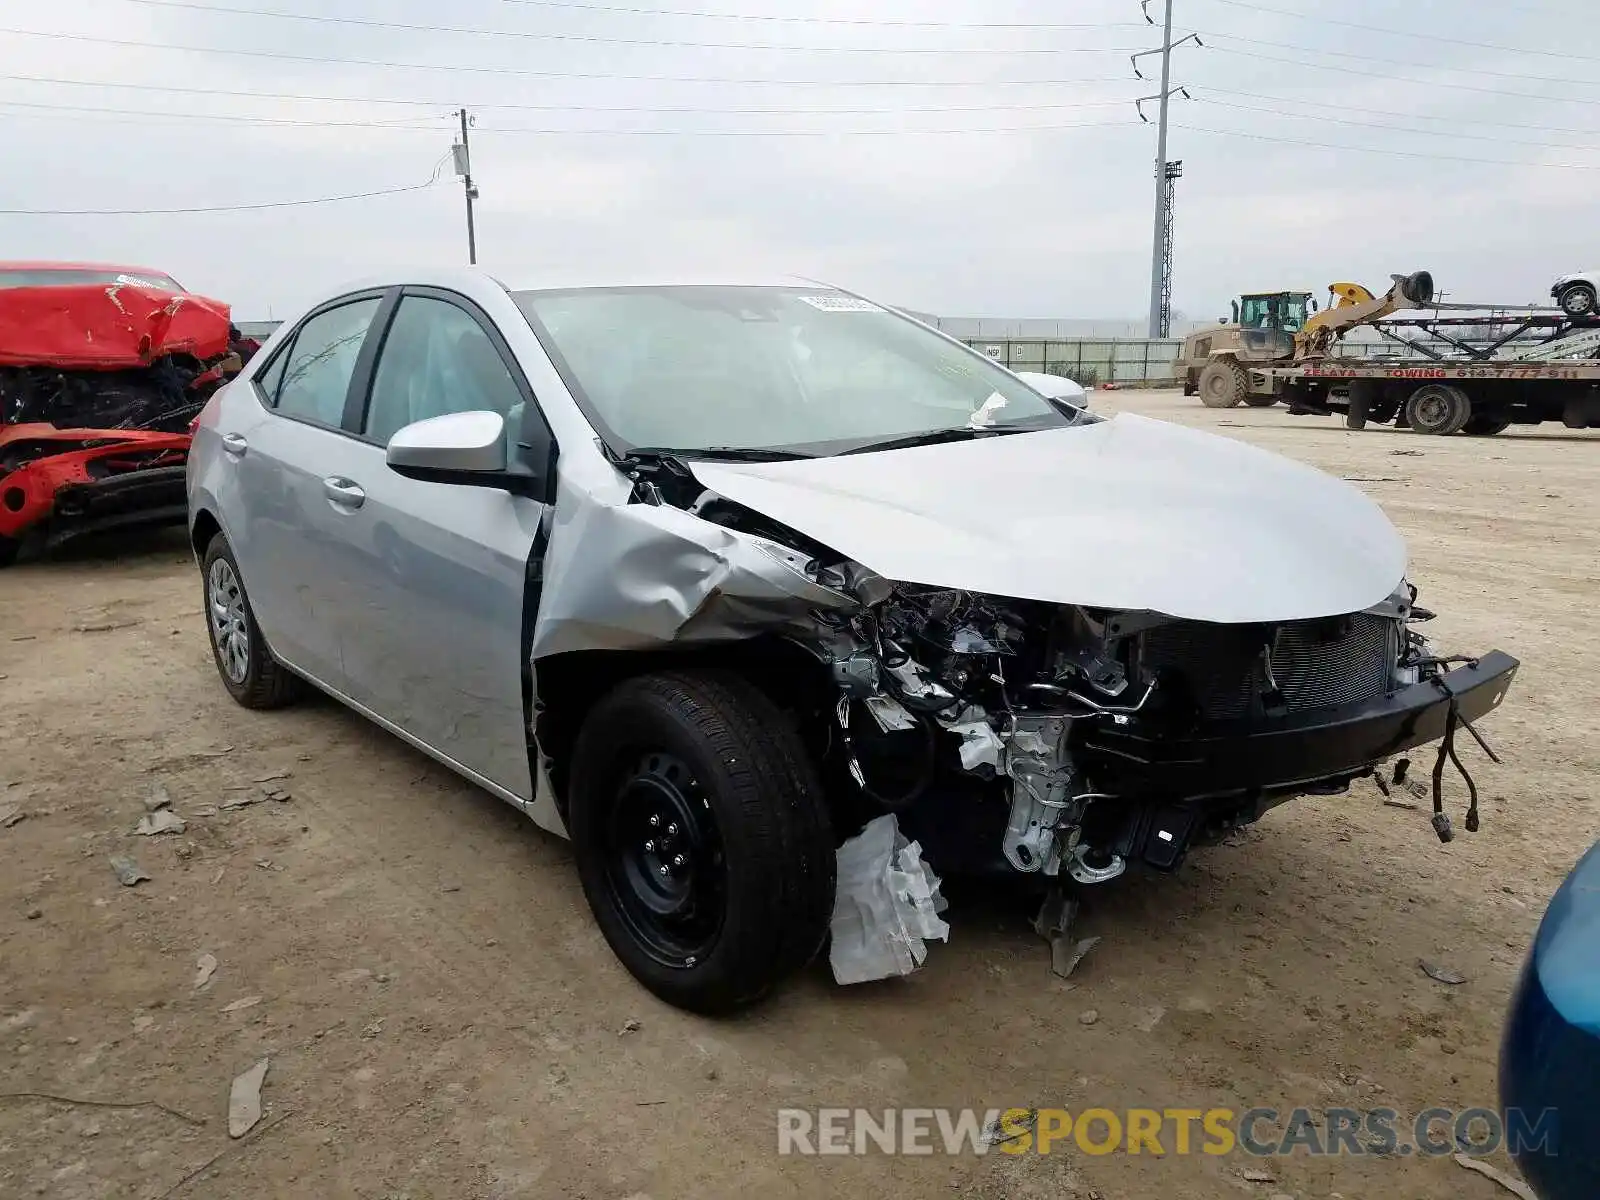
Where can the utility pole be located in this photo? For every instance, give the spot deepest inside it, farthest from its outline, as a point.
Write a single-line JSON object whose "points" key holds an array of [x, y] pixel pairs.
{"points": [[463, 160], [1161, 247]]}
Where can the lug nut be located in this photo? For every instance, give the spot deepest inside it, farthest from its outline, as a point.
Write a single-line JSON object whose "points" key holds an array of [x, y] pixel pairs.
{"points": [[672, 829], [654, 820], [662, 870], [677, 860], [650, 846]]}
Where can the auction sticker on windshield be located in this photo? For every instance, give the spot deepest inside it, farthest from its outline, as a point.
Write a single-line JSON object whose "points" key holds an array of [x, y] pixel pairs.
{"points": [[840, 304]]}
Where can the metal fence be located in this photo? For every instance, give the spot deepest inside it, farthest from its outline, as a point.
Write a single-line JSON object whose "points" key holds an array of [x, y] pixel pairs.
{"points": [[1090, 361]]}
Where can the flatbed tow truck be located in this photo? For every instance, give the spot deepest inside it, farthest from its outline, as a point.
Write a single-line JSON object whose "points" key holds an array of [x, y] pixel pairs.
{"points": [[1500, 367]]}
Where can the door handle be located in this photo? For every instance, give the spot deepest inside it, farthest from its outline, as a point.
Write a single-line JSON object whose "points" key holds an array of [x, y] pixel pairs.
{"points": [[235, 444], [345, 493]]}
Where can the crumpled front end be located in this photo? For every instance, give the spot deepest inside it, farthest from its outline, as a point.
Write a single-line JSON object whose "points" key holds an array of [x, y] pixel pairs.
{"points": [[1056, 739], [98, 387]]}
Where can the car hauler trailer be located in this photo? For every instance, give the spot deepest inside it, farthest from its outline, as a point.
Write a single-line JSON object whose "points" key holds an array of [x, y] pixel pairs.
{"points": [[1474, 397]]}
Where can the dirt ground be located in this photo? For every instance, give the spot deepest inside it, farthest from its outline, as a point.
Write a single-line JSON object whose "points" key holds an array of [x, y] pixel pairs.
{"points": [[443, 1020]]}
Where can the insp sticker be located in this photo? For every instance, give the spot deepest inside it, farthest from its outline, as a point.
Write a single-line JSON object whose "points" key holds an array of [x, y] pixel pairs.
{"points": [[840, 304]]}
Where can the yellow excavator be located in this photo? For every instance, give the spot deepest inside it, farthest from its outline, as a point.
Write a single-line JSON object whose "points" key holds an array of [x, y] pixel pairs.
{"points": [[1272, 329]]}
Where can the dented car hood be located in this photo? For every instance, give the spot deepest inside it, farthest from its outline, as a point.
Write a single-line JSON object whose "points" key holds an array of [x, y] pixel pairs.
{"points": [[1129, 514]]}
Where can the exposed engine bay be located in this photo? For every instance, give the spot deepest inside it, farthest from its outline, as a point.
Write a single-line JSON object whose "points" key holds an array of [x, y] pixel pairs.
{"points": [[1074, 740]]}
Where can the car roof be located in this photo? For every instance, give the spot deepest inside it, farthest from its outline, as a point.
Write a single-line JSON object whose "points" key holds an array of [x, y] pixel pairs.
{"points": [[469, 278]]}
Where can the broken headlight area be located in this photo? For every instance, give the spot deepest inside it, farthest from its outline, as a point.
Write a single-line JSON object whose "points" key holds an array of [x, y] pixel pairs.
{"points": [[1074, 741]]}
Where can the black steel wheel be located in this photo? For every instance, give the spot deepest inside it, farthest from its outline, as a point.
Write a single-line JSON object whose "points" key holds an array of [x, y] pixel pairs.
{"points": [[701, 837], [664, 862]]}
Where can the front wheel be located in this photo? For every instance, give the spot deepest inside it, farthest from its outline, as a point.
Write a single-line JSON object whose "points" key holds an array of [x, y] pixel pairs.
{"points": [[1223, 384], [701, 837], [252, 676]]}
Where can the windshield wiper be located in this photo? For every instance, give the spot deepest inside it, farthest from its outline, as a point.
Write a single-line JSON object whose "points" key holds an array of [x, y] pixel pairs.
{"points": [[718, 453], [933, 437]]}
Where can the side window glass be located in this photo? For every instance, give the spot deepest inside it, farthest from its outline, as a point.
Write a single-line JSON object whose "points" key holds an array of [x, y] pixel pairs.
{"points": [[436, 359], [270, 379], [318, 367]]}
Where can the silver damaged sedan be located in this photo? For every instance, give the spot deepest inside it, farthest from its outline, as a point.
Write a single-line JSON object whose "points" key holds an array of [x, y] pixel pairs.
{"points": [[706, 577]]}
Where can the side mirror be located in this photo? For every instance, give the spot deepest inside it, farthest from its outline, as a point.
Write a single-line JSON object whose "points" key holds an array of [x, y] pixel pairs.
{"points": [[1313, 305], [462, 448]]}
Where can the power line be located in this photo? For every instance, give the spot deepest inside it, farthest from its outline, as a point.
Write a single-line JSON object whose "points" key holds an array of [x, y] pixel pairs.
{"points": [[848, 21], [528, 72], [1398, 62], [528, 35], [226, 118], [1389, 112], [1391, 78], [1427, 37], [1495, 162], [213, 208], [588, 108], [1437, 133]]}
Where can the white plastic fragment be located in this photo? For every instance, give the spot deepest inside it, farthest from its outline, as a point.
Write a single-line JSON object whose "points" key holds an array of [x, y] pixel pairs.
{"points": [[890, 714], [162, 820], [979, 744], [244, 1100], [886, 906]]}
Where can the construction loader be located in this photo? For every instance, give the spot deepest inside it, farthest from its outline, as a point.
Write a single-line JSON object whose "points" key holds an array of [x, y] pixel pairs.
{"points": [[1279, 329]]}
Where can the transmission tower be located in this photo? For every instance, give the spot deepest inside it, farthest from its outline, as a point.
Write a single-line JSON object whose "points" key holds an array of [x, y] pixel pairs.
{"points": [[1169, 177], [1161, 251]]}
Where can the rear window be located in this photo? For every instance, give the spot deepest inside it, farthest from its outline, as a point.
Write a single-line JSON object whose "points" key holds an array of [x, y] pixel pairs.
{"points": [[69, 276]]}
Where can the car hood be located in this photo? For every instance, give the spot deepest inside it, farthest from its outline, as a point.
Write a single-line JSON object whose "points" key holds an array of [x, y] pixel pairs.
{"points": [[1129, 514]]}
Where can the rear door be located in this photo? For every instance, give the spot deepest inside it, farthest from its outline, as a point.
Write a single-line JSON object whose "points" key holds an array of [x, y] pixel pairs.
{"points": [[433, 632], [290, 454]]}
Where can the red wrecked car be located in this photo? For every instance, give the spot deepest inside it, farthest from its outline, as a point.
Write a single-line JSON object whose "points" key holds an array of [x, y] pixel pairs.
{"points": [[102, 370]]}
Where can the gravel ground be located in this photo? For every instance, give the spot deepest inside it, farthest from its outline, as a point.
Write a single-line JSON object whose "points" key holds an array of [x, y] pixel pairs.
{"points": [[443, 1020]]}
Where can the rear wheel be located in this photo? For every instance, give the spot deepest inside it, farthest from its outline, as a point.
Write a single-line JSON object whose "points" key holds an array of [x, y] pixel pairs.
{"points": [[1223, 384], [701, 837], [1438, 409], [1578, 300], [252, 676], [1484, 425]]}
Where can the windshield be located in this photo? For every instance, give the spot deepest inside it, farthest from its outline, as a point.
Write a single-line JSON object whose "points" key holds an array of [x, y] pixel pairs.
{"points": [[70, 276], [764, 368], [1287, 313]]}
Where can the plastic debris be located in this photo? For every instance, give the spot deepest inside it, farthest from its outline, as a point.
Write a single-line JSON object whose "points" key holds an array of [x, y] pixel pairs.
{"points": [[158, 799], [205, 967], [127, 871], [10, 814], [1441, 974], [162, 820], [244, 1100], [886, 905], [1515, 1186], [242, 1004]]}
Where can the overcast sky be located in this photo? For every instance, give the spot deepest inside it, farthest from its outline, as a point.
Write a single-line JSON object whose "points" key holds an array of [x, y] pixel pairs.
{"points": [[934, 192]]}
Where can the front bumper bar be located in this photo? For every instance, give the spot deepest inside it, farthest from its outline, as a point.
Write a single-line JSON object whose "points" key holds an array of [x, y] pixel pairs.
{"points": [[1233, 757], [144, 497]]}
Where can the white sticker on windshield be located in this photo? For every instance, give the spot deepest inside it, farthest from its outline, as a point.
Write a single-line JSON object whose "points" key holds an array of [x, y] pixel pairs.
{"points": [[135, 281], [840, 304]]}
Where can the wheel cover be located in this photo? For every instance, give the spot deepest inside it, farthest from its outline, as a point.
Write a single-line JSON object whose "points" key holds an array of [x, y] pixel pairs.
{"points": [[664, 860], [230, 631], [1433, 409], [1580, 300]]}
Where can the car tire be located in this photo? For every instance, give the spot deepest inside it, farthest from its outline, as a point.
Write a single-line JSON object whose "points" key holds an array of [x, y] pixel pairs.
{"points": [[1438, 409], [252, 676], [1484, 425], [1223, 384], [8, 550], [1578, 300], [702, 838]]}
